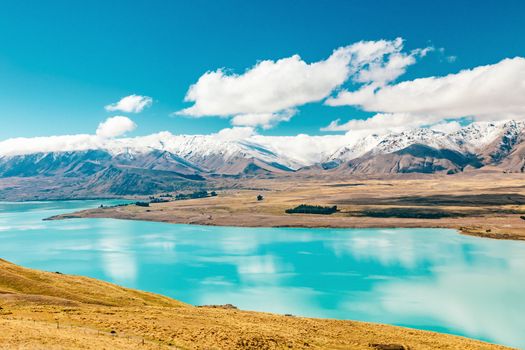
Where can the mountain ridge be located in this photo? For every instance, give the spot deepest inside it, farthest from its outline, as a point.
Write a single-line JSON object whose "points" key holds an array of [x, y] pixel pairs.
{"points": [[165, 162]]}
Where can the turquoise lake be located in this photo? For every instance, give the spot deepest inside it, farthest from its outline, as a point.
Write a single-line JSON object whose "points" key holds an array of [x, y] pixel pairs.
{"points": [[431, 279]]}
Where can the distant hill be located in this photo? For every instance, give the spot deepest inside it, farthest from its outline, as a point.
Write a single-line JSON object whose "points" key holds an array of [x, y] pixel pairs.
{"points": [[165, 162]]}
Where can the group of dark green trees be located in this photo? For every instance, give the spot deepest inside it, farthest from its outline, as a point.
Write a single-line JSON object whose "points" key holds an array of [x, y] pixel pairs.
{"points": [[196, 194], [312, 209]]}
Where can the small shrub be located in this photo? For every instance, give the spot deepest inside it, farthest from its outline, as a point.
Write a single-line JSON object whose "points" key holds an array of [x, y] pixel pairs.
{"points": [[142, 204]]}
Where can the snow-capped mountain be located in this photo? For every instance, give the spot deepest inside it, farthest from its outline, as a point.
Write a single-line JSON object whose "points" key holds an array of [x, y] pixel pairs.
{"points": [[472, 139], [162, 162], [358, 149], [425, 150], [203, 153], [213, 154]]}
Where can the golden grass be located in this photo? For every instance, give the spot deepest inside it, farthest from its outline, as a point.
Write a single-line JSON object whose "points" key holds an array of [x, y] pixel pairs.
{"points": [[46, 310], [488, 205]]}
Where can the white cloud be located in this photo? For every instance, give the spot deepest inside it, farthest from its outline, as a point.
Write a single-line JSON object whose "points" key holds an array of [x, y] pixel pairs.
{"points": [[304, 149], [384, 69], [130, 104], [268, 92], [447, 127], [30, 145], [492, 92], [380, 123], [297, 150], [236, 133], [383, 72], [115, 126], [383, 123], [264, 120], [268, 87]]}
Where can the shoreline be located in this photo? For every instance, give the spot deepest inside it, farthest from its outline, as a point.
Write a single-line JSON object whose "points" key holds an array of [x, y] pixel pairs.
{"points": [[486, 207], [480, 231], [76, 312]]}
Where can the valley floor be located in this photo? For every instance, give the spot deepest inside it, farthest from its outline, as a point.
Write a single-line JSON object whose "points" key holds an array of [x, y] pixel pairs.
{"points": [[481, 204], [46, 310]]}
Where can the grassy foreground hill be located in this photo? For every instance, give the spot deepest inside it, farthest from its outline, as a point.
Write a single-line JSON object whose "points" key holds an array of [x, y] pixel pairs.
{"points": [[46, 310]]}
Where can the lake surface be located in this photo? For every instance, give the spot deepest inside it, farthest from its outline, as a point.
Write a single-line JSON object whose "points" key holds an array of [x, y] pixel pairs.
{"points": [[423, 278]]}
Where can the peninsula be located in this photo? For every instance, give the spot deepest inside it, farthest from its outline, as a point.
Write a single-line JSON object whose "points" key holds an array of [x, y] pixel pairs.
{"points": [[483, 204]]}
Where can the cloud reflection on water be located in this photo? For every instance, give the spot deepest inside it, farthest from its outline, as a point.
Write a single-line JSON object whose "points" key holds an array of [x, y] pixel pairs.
{"points": [[433, 279], [473, 286], [118, 258]]}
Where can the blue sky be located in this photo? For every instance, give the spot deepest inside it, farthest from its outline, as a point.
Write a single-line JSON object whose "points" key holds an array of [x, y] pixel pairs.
{"points": [[61, 62]]}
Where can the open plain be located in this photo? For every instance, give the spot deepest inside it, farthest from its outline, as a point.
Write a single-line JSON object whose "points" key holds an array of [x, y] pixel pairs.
{"points": [[486, 204]]}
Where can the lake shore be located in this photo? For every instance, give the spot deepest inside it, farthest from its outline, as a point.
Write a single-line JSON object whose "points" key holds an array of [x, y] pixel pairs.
{"points": [[59, 311], [489, 206]]}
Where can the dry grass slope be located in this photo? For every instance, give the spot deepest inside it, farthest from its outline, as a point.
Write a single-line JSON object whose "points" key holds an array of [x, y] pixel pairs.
{"points": [[46, 310]]}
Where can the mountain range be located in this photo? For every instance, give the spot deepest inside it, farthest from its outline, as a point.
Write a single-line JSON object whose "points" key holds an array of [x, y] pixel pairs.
{"points": [[166, 162]]}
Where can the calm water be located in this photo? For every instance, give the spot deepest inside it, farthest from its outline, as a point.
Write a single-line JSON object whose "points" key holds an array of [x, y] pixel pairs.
{"points": [[423, 278]]}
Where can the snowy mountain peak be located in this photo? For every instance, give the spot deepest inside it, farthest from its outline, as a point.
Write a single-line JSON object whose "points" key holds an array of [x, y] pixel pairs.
{"points": [[213, 153], [470, 139]]}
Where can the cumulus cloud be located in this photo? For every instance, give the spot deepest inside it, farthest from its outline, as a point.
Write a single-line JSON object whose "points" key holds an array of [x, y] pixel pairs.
{"points": [[267, 87], [264, 120], [379, 123], [236, 133], [106, 132], [447, 127], [63, 143], [304, 149], [269, 92], [492, 92], [390, 65], [130, 104], [115, 126], [383, 123], [296, 150], [105, 137]]}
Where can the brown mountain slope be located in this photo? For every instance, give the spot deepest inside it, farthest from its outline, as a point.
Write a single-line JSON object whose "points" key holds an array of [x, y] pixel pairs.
{"points": [[45, 310], [416, 158], [515, 161]]}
